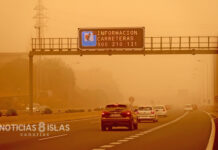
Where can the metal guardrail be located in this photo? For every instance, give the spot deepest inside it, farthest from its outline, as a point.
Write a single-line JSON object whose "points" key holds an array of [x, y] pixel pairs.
{"points": [[153, 45]]}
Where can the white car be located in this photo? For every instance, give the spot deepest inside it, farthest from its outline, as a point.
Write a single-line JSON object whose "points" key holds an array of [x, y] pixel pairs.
{"points": [[188, 107], [146, 113], [36, 108], [161, 110]]}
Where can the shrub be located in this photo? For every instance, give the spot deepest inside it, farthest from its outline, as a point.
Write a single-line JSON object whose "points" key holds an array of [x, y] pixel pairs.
{"points": [[11, 112], [47, 111], [69, 111]]}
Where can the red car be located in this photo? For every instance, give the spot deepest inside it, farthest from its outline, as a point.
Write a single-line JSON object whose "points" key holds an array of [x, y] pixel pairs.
{"points": [[116, 115]]}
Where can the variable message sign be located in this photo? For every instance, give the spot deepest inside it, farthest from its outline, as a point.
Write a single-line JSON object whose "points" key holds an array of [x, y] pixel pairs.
{"points": [[111, 38]]}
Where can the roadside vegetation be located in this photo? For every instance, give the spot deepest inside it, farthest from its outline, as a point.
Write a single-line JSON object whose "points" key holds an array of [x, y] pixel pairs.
{"points": [[55, 86]]}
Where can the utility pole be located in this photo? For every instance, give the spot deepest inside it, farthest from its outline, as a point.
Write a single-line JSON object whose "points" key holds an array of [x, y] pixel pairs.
{"points": [[40, 24], [40, 18]]}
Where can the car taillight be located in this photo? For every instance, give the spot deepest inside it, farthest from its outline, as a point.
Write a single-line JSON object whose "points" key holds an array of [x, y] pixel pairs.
{"points": [[105, 114], [126, 114]]}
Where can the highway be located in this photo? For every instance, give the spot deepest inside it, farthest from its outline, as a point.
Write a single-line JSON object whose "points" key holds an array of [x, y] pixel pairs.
{"points": [[178, 131]]}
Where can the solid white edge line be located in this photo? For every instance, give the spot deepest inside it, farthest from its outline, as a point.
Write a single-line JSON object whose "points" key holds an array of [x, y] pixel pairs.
{"points": [[52, 137], [212, 133]]}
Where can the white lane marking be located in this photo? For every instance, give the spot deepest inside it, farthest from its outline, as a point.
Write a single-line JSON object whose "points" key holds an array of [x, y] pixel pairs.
{"points": [[107, 146], [128, 138], [52, 137], [134, 136], [154, 129], [123, 140], [212, 134], [115, 143]]}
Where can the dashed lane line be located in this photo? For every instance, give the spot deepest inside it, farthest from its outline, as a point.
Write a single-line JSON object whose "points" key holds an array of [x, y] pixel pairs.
{"points": [[52, 137], [107, 146], [123, 140], [134, 136], [115, 143], [128, 138]]}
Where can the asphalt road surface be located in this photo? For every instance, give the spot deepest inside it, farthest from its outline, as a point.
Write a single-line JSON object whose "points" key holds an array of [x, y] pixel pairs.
{"points": [[178, 131]]}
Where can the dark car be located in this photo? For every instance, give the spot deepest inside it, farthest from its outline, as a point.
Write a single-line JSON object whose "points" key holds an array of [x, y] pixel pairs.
{"points": [[116, 115], [11, 112], [195, 107]]}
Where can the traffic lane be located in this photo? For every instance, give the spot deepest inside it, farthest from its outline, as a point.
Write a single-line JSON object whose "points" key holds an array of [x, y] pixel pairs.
{"points": [[190, 133], [88, 135]]}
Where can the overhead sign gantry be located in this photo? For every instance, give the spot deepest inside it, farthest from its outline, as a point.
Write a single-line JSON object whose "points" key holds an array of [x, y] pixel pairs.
{"points": [[118, 41]]}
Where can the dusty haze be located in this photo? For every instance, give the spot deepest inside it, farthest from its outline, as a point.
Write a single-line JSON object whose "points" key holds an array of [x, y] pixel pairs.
{"points": [[159, 79]]}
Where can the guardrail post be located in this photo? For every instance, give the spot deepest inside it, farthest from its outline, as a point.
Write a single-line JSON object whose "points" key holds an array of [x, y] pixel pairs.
{"points": [[170, 42], [189, 42], [33, 45], [59, 44], [161, 43], [151, 43]]}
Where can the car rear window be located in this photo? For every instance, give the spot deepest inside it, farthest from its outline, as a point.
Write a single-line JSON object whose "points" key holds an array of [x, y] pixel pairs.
{"points": [[145, 108], [117, 106], [159, 107], [188, 106]]}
